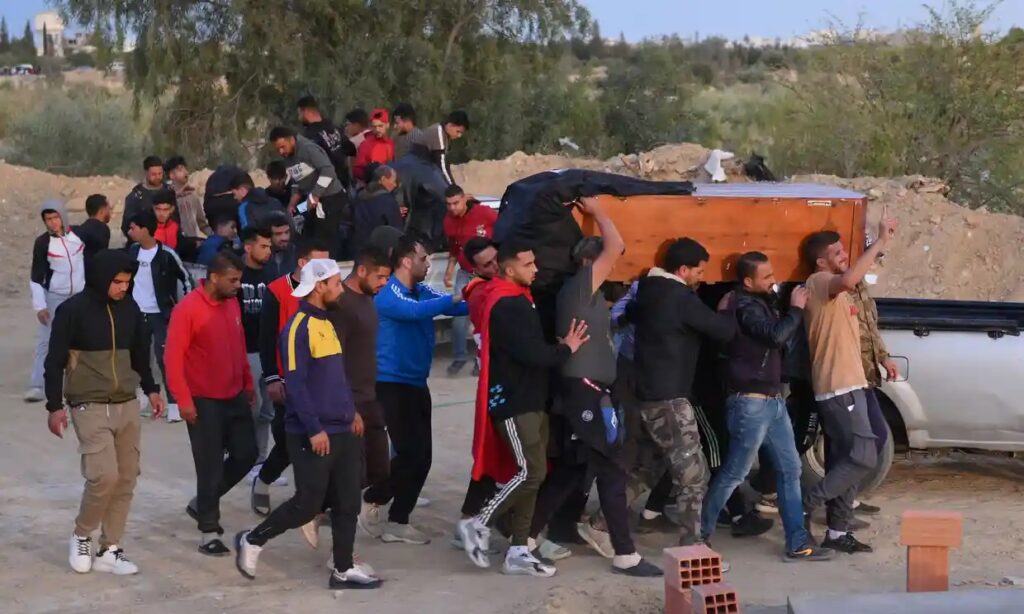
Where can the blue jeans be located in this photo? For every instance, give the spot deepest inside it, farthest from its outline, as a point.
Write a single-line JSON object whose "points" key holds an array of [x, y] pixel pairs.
{"points": [[754, 422], [460, 325]]}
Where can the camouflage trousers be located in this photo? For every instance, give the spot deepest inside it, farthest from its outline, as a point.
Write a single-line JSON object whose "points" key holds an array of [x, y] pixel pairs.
{"points": [[672, 424]]}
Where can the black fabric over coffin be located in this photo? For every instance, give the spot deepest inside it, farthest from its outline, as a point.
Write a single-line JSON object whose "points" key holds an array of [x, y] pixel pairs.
{"points": [[533, 210]]}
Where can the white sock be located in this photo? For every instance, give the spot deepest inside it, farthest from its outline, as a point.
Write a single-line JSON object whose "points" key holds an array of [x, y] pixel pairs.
{"points": [[260, 487], [531, 544], [209, 537], [518, 551], [625, 561], [650, 515], [835, 534]]}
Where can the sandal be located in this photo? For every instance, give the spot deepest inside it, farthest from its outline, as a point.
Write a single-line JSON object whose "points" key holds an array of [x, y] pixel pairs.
{"points": [[214, 548]]}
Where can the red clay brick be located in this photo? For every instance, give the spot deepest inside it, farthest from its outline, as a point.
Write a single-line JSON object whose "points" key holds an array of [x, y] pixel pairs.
{"points": [[931, 528], [677, 600], [717, 598], [687, 566]]}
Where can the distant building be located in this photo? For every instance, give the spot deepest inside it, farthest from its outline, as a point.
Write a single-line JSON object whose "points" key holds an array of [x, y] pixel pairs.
{"points": [[49, 30]]}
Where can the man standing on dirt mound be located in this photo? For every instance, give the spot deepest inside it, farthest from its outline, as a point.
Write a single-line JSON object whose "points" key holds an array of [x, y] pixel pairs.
{"points": [[109, 340], [840, 385], [57, 274]]}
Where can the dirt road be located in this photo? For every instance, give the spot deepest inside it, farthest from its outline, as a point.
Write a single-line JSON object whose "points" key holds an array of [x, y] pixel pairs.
{"points": [[40, 488]]}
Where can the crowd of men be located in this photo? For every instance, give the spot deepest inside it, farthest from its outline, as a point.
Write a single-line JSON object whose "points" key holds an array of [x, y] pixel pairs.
{"points": [[275, 360]]}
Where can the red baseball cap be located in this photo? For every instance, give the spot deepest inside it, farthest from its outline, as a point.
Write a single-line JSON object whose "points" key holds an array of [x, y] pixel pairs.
{"points": [[380, 115]]}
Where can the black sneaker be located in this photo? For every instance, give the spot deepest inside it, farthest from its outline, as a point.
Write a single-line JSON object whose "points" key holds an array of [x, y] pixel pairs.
{"points": [[866, 508], [847, 543], [643, 569], [455, 367], [724, 520], [751, 524], [809, 552], [660, 524]]}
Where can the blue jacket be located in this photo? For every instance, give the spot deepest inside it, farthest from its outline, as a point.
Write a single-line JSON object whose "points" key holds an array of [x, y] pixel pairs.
{"points": [[405, 342], [319, 397]]}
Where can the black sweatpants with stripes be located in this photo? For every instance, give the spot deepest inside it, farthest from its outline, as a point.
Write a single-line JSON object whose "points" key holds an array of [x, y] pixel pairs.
{"points": [[527, 437]]}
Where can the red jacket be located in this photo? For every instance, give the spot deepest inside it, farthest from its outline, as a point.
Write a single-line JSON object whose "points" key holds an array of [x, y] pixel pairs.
{"points": [[167, 233], [372, 149], [478, 221], [205, 353], [287, 306]]}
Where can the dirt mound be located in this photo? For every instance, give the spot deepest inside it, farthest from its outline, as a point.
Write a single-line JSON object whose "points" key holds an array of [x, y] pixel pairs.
{"points": [[942, 250], [683, 161]]}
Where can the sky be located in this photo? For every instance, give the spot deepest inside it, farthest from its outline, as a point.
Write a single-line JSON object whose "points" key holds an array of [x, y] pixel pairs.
{"points": [[732, 19]]}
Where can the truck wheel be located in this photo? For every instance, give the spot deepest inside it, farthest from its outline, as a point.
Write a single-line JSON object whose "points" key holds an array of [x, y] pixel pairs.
{"points": [[814, 464]]}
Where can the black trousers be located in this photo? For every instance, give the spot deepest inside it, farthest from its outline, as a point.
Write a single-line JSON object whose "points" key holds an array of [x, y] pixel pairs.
{"points": [[277, 459], [478, 493], [333, 228], [334, 476], [221, 425], [375, 443], [407, 415]]}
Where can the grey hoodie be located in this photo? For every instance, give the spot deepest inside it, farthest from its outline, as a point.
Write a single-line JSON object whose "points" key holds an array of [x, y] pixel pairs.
{"points": [[311, 170], [58, 264]]}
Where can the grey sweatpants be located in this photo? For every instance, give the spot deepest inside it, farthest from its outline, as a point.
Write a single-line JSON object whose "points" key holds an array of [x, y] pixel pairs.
{"points": [[852, 453]]}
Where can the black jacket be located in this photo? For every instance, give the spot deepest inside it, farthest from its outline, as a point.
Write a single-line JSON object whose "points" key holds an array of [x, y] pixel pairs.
{"points": [[670, 322], [138, 200], [332, 140], [257, 208], [755, 354], [168, 272], [520, 359], [95, 235], [374, 207], [421, 190], [99, 348]]}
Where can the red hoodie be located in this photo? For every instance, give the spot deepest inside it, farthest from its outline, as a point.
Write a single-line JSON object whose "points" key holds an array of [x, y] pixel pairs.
{"points": [[205, 353], [380, 149], [491, 456]]}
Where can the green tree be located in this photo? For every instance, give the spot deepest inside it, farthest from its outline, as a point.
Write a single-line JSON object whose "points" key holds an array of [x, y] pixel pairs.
{"points": [[27, 44], [5, 36]]}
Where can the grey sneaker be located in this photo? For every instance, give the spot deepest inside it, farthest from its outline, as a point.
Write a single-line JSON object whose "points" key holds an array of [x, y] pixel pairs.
{"points": [[551, 551], [403, 533], [476, 540], [34, 395], [526, 565], [372, 519]]}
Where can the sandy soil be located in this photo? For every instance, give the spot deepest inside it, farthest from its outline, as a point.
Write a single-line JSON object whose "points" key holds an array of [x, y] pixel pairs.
{"points": [[41, 486]]}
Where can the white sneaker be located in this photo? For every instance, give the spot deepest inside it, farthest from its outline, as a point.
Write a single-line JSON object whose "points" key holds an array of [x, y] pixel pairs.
{"points": [[247, 556], [525, 564], [34, 395], [80, 553], [112, 560], [372, 519], [357, 562], [423, 502], [403, 533], [600, 541], [476, 539], [552, 551], [356, 577], [173, 413], [145, 408]]}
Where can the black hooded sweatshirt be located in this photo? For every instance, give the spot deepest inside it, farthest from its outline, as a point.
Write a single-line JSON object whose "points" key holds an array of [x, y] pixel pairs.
{"points": [[333, 141], [99, 348]]}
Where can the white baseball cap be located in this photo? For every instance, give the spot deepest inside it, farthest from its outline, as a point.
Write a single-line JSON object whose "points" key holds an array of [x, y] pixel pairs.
{"points": [[315, 270]]}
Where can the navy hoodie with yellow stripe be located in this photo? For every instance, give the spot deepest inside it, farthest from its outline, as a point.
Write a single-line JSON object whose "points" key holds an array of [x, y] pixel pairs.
{"points": [[319, 396]]}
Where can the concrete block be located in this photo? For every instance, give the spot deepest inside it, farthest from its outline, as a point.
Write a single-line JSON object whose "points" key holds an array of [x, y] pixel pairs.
{"points": [[688, 566], [931, 528], [717, 598], [976, 601]]}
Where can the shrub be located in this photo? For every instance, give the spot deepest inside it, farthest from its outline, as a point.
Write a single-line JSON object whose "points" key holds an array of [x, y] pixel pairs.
{"points": [[83, 132]]}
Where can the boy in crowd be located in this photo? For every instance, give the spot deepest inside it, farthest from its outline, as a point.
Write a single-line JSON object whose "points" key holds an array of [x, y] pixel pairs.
{"points": [[57, 273]]}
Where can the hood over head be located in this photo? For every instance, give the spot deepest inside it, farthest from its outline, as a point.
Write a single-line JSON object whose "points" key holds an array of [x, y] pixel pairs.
{"points": [[52, 204], [104, 266]]}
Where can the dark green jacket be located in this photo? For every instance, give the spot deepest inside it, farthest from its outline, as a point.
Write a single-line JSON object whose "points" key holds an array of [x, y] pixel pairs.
{"points": [[99, 348]]}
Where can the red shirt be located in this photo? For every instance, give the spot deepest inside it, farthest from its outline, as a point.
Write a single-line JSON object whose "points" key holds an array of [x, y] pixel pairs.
{"points": [[167, 233], [373, 149], [205, 353], [477, 222]]}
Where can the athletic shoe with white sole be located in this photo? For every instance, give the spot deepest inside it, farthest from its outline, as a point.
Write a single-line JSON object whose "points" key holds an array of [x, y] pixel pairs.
{"points": [[173, 413], [357, 577], [112, 560], [34, 395], [80, 554], [247, 556], [547, 549], [599, 540], [423, 502], [372, 519], [356, 562], [395, 533], [476, 538], [525, 564]]}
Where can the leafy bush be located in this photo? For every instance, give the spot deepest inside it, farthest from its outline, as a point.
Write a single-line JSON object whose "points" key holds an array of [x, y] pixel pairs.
{"points": [[86, 131]]}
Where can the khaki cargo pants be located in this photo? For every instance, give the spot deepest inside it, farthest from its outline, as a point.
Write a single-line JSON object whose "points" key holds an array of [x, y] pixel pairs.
{"points": [[108, 440]]}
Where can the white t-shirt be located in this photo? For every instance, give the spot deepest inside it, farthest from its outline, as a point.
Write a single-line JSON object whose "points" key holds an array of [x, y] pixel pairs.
{"points": [[143, 291]]}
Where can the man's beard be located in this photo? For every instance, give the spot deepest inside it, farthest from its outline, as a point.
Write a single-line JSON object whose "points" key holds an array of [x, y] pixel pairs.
{"points": [[334, 305]]}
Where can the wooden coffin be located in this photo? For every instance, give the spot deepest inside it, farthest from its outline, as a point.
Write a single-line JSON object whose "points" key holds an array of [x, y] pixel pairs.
{"points": [[730, 219]]}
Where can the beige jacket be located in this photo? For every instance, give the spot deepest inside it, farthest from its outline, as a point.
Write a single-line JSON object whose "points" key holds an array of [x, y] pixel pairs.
{"points": [[190, 210], [872, 348]]}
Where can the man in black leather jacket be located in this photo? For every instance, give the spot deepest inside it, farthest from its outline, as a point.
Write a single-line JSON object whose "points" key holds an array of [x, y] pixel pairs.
{"points": [[757, 411]]}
